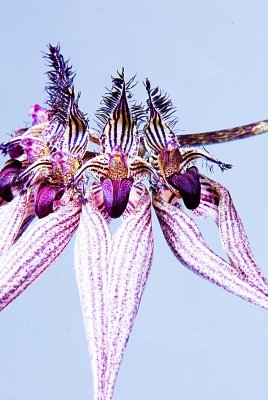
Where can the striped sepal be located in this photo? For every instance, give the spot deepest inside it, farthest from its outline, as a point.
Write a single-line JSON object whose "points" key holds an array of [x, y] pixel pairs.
{"points": [[36, 250], [217, 203], [120, 130], [158, 130], [129, 267], [69, 136], [92, 251], [188, 245], [11, 217], [67, 129]]}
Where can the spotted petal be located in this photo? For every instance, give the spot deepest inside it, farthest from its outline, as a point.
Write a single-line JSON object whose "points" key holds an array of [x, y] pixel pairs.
{"points": [[188, 245], [92, 250], [216, 202], [35, 251], [11, 216], [111, 277], [129, 267]]}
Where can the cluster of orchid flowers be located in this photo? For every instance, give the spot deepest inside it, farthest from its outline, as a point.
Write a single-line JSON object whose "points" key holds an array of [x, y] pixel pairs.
{"points": [[53, 186]]}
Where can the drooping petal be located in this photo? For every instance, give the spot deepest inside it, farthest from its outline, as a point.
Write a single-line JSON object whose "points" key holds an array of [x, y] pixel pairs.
{"points": [[129, 267], [217, 203], [188, 245], [92, 251], [11, 217], [36, 250]]}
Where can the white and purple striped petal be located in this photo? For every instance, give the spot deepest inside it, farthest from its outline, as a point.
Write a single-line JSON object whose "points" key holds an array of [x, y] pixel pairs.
{"points": [[217, 203], [92, 251], [188, 245], [36, 250], [129, 267], [12, 216]]}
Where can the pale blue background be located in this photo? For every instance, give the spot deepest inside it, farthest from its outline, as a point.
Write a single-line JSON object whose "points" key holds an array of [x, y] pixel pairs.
{"points": [[191, 340]]}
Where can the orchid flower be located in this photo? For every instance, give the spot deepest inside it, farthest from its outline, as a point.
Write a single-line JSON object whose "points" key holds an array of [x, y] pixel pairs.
{"points": [[51, 176], [182, 183]]}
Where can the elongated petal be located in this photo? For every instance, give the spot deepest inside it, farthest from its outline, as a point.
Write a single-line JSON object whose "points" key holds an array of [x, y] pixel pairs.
{"points": [[11, 216], [92, 250], [188, 245], [128, 271], [216, 202], [35, 251]]}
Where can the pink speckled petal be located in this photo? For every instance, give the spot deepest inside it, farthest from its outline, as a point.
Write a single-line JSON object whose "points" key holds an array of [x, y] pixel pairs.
{"points": [[129, 267], [38, 114], [217, 203], [11, 216], [35, 251], [92, 251], [188, 245]]}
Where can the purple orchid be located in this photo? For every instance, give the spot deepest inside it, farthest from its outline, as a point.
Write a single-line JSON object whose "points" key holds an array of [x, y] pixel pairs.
{"points": [[53, 177]]}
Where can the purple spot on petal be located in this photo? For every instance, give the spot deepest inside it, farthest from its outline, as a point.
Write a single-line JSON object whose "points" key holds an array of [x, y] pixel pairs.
{"points": [[188, 184], [116, 194]]}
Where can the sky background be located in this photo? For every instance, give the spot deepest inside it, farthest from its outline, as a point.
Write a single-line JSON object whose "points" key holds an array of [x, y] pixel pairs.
{"points": [[191, 339]]}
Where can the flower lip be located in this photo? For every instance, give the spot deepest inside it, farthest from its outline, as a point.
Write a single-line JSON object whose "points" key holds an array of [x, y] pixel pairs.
{"points": [[45, 198], [116, 195], [188, 185], [7, 175]]}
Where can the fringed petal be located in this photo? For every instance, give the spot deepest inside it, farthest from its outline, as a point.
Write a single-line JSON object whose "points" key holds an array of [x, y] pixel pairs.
{"points": [[118, 120], [35, 251], [128, 271], [216, 202], [158, 131], [188, 245], [11, 216], [190, 154], [92, 250]]}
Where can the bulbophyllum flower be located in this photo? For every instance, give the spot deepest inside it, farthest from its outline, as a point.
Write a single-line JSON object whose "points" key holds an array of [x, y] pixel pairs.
{"points": [[118, 168], [182, 183], [49, 177], [110, 282]]}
